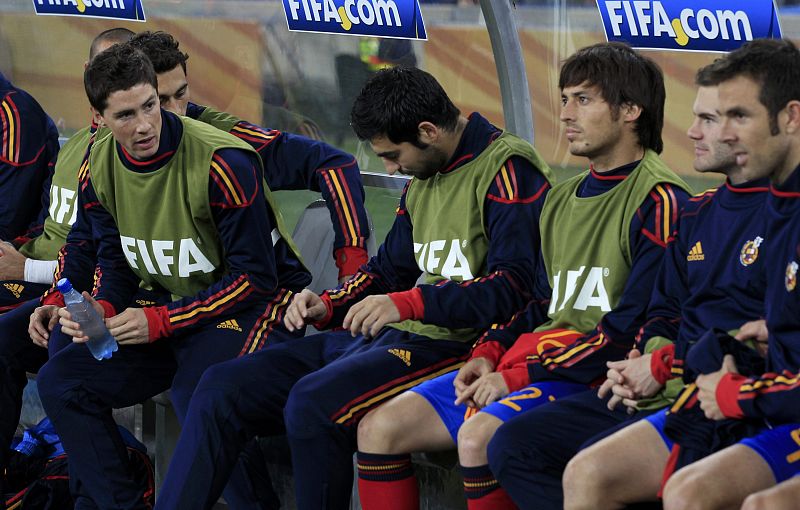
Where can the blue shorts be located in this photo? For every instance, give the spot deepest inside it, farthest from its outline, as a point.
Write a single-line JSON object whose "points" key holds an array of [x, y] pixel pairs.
{"points": [[780, 448], [658, 420], [441, 394]]}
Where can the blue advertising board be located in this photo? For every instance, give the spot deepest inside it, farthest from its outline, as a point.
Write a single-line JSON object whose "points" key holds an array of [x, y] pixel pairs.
{"points": [[131, 10], [704, 25], [381, 18]]}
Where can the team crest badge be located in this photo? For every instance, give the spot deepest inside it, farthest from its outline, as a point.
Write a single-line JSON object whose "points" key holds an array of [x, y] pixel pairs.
{"points": [[749, 252], [791, 276]]}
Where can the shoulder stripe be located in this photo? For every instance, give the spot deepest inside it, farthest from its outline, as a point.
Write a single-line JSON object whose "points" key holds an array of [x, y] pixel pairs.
{"points": [[11, 128]]}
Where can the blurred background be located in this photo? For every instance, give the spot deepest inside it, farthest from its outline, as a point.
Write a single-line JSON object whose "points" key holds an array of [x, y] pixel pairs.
{"points": [[244, 60]]}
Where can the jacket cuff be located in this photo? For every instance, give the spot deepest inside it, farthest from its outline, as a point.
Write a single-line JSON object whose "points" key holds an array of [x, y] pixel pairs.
{"points": [[53, 298], [727, 395], [323, 322], [108, 308], [516, 378], [491, 350], [409, 303], [661, 363], [349, 259], [158, 324]]}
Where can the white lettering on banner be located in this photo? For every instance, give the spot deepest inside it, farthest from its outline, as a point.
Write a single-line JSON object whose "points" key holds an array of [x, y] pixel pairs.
{"points": [[190, 258], [642, 15], [82, 4], [368, 12]]}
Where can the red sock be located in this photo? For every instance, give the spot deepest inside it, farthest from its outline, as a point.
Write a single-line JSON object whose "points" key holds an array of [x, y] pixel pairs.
{"points": [[482, 490], [387, 482]]}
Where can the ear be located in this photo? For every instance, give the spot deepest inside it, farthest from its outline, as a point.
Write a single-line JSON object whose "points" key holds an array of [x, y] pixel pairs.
{"points": [[97, 117], [630, 112], [792, 122], [428, 133]]}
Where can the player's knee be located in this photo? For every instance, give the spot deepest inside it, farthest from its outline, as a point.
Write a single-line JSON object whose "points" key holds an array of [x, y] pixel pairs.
{"points": [[758, 501], [51, 386], [380, 431], [583, 481], [685, 491], [473, 439], [304, 414]]}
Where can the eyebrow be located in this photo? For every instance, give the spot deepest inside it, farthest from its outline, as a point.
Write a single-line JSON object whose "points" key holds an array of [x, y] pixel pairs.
{"points": [[736, 110], [177, 92], [387, 155]]}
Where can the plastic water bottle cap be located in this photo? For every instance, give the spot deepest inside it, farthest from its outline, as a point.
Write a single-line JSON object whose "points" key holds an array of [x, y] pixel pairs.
{"points": [[64, 285]]}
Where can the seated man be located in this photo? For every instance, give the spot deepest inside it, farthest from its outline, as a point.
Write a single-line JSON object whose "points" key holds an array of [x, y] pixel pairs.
{"points": [[759, 97], [467, 222], [629, 198], [17, 354], [291, 162], [177, 205], [28, 148], [712, 276]]}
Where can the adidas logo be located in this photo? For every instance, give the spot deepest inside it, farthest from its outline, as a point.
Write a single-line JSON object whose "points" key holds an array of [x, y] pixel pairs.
{"points": [[229, 324], [403, 354], [696, 253], [15, 288], [144, 302]]}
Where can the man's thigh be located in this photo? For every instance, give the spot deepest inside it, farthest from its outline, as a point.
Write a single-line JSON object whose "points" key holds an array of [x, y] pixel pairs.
{"points": [[15, 342], [362, 379], [556, 431], [133, 374]]}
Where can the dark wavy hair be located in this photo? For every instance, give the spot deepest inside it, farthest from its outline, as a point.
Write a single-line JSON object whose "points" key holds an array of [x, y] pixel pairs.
{"points": [[624, 77], [772, 63], [121, 67], [395, 101]]}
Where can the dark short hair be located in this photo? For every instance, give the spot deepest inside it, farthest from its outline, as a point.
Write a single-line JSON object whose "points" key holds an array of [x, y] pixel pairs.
{"points": [[120, 67], [772, 63], [623, 76], [162, 50], [395, 101], [112, 35]]}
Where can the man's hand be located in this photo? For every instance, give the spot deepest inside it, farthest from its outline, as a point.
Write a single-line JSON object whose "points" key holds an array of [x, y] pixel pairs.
{"points": [[487, 389], [472, 370], [757, 332], [370, 315], [72, 328], [130, 327], [707, 388], [306, 307], [12, 263], [629, 380], [41, 323]]}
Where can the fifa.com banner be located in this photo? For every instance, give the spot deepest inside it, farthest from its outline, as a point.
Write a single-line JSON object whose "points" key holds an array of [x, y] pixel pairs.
{"points": [[689, 25], [131, 10], [400, 19]]}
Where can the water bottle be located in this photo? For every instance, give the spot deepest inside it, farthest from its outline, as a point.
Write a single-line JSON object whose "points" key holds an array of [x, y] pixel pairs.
{"points": [[101, 344]]}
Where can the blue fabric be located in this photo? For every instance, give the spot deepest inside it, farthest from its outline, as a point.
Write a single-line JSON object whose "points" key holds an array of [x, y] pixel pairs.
{"points": [[779, 448], [440, 393], [658, 420]]}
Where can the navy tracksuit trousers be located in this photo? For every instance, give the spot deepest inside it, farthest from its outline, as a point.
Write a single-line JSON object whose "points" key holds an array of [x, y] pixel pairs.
{"points": [[78, 393], [315, 389]]}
